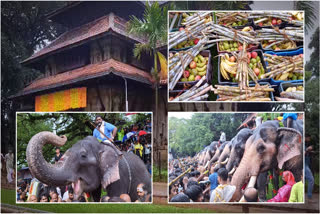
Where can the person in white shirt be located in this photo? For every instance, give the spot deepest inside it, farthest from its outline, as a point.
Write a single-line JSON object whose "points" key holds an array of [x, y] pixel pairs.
{"points": [[223, 192]]}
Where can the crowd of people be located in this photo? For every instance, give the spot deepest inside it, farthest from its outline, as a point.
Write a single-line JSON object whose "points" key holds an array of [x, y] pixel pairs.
{"points": [[38, 192], [200, 185]]}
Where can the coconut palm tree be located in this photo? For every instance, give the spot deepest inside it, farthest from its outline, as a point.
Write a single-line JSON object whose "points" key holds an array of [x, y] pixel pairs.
{"points": [[152, 26]]}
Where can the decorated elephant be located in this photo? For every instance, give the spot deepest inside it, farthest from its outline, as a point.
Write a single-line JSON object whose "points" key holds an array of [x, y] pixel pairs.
{"points": [[238, 149], [88, 164], [268, 147]]}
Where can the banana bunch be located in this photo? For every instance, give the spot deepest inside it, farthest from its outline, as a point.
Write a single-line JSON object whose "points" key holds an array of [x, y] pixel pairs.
{"points": [[226, 66], [297, 15]]}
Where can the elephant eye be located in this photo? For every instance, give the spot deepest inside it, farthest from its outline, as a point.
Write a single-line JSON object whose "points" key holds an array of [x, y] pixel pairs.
{"points": [[261, 148]]}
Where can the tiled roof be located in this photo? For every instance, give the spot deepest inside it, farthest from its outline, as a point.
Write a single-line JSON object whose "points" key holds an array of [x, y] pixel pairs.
{"points": [[88, 72], [84, 32]]}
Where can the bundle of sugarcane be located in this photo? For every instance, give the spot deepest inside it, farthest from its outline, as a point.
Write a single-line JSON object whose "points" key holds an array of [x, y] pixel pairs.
{"points": [[196, 17], [195, 24], [285, 16], [179, 61], [197, 92], [257, 93], [232, 18], [243, 70], [289, 33], [223, 33], [284, 67]]}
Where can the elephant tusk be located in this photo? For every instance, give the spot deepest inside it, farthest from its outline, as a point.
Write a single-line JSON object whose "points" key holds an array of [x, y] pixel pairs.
{"points": [[252, 181], [224, 162], [232, 171]]}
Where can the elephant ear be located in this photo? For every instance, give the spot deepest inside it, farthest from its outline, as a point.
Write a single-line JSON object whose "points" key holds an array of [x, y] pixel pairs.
{"points": [[109, 164], [289, 145]]}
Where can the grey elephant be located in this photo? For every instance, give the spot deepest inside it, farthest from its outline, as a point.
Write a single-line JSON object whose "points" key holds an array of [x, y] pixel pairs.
{"points": [[224, 155], [268, 147], [88, 164], [238, 149]]}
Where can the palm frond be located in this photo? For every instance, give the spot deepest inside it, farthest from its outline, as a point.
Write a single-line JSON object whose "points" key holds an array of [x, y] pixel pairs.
{"points": [[140, 48], [309, 12]]}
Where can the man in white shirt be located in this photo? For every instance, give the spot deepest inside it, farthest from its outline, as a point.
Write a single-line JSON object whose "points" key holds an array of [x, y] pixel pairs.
{"points": [[223, 192]]}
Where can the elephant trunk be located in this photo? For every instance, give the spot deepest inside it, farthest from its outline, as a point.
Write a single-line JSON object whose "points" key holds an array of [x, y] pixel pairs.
{"points": [[50, 174], [240, 176]]}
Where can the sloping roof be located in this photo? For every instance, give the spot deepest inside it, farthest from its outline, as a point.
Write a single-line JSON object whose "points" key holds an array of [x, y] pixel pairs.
{"points": [[88, 72], [85, 32]]}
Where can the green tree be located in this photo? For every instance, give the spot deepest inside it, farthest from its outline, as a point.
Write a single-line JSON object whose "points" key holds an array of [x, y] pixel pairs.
{"points": [[313, 64], [24, 29]]}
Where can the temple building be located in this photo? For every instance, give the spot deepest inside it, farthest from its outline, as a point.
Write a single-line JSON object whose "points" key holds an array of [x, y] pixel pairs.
{"points": [[91, 66]]}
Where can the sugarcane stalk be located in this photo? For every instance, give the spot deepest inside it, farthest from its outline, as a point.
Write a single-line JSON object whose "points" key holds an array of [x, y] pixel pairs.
{"points": [[180, 176], [173, 21], [203, 97], [201, 92]]}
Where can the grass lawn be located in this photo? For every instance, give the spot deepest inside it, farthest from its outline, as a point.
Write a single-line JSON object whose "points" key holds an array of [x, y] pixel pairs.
{"points": [[8, 197]]}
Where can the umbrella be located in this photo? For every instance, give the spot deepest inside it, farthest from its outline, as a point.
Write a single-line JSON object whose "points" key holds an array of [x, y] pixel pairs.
{"points": [[127, 136], [142, 133]]}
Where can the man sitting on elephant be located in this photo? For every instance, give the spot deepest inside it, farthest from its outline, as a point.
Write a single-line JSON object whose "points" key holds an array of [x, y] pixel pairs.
{"points": [[104, 132]]}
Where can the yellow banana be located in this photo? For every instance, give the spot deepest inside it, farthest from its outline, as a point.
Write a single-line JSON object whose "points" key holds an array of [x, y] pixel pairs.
{"points": [[201, 64], [224, 73], [202, 69], [201, 58]]}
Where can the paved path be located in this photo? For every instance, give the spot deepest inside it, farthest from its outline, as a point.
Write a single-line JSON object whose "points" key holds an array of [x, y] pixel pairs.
{"points": [[160, 197]]}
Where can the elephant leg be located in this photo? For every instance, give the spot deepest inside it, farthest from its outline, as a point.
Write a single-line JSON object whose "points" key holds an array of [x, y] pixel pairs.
{"points": [[275, 179], [261, 185], [96, 194]]}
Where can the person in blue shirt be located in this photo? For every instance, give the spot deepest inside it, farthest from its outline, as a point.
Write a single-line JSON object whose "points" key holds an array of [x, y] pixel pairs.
{"points": [[107, 129], [213, 178]]}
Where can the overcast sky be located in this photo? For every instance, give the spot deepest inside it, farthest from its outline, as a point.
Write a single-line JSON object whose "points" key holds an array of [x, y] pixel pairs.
{"points": [[288, 5]]}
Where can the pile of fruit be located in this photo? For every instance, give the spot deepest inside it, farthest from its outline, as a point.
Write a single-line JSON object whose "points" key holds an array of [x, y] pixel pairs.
{"points": [[187, 43], [269, 21], [295, 88], [255, 63], [228, 65], [234, 23], [196, 69], [285, 45], [297, 16], [230, 46]]}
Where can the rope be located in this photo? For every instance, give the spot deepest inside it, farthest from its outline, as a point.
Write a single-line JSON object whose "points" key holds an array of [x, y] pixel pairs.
{"points": [[129, 171]]}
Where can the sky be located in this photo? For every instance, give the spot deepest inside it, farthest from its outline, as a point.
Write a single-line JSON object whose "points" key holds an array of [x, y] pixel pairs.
{"points": [[288, 5], [185, 115]]}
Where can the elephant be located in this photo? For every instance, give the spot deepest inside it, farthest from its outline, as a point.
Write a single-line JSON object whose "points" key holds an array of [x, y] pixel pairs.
{"points": [[224, 155], [217, 153], [238, 149], [269, 146], [88, 164], [210, 151]]}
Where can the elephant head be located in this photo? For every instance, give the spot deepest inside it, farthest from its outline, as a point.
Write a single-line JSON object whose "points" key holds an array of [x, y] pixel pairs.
{"points": [[87, 163], [224, 156], [217, 153], [269, 146], [238, 149]]}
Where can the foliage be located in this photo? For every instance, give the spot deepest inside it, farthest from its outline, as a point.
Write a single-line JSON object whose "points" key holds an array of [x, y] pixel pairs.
{"points": [[313, 64], [75, 126], [24, 30], [160, 176], [310, 11], [187, 137]]}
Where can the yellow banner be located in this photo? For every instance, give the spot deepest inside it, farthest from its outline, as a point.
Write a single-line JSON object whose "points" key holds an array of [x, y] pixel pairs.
{"points": [[62, 100]]}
